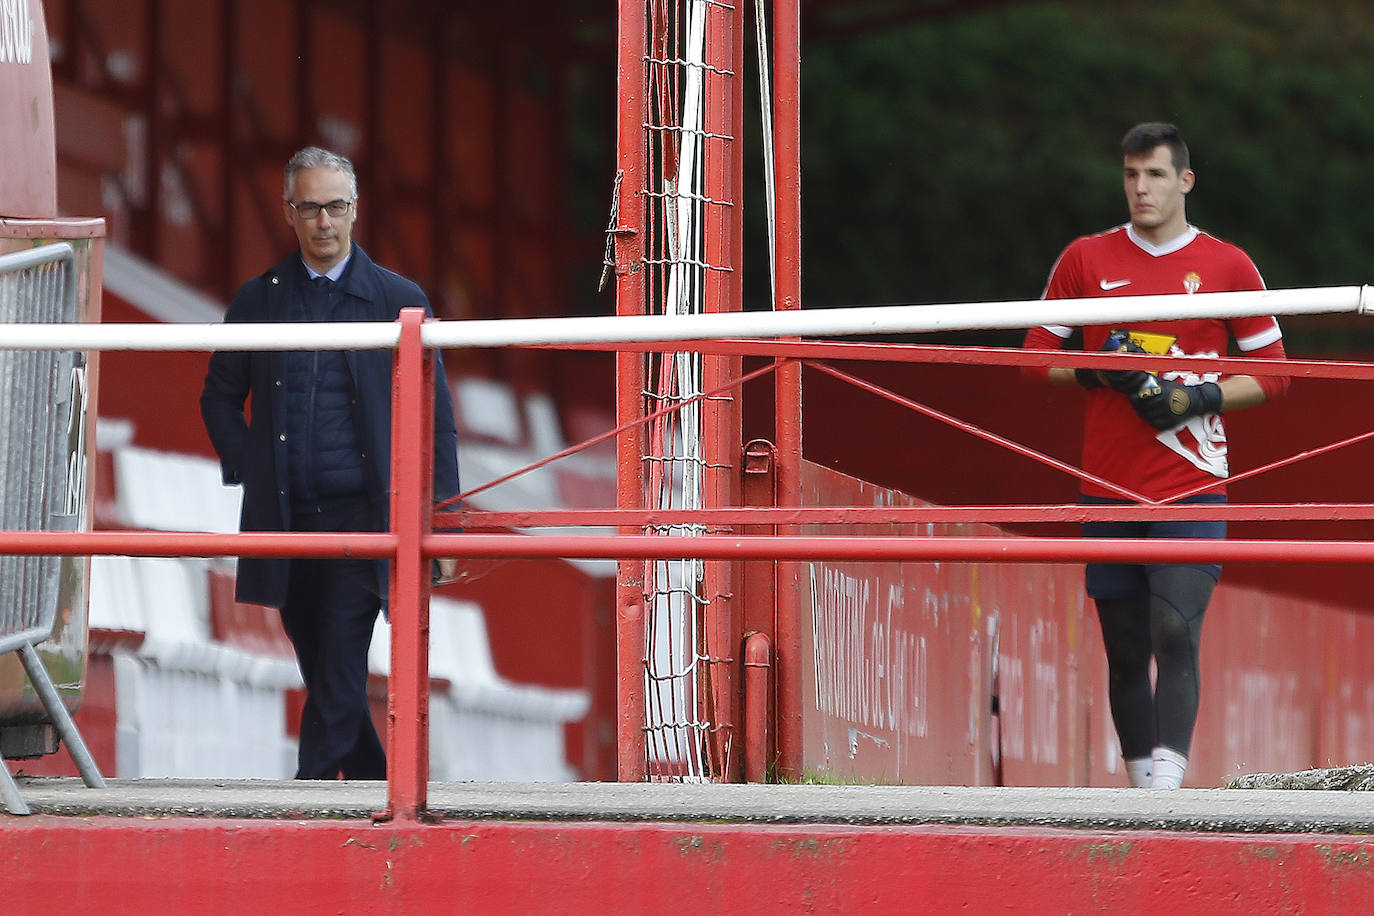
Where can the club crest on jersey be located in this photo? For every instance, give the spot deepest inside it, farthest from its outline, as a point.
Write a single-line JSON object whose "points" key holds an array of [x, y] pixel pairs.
{"points": [[1192, 282]]}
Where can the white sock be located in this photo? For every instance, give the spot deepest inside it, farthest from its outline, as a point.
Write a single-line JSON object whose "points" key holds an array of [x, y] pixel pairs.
{"points": [[1138, 769], [1167, 769]]}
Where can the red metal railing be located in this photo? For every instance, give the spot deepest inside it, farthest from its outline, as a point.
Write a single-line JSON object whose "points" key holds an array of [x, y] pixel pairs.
{"points": [[411, 543], [412, 478]]}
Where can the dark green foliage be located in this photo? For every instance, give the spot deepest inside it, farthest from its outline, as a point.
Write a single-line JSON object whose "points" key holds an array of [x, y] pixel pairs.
{"points": [[952, 159]]}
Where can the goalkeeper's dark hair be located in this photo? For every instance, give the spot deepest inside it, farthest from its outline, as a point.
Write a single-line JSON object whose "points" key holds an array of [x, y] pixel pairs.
{"points": [[1143, 138]]}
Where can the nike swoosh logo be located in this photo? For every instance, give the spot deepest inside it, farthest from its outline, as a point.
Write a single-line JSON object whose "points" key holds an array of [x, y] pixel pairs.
{"points": [[1113, 284]]}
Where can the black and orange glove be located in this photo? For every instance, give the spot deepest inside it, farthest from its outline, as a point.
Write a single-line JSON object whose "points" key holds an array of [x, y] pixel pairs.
{"points": [[1126, 381], [1170, 403]]}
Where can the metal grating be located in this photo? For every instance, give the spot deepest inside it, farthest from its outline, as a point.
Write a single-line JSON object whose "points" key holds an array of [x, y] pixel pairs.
{"points": [[687, 70], [41, 453]]}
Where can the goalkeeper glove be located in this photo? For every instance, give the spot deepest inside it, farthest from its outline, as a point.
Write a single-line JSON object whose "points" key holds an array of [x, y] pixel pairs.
{"points": [[1126, 381], [1169, 404]]}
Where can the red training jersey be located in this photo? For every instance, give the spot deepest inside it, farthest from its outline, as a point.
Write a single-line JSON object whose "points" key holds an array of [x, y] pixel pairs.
{"points": [[1118, 445]]}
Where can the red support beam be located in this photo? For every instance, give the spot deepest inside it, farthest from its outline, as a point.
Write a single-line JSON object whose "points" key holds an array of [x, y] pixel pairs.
{"points": [[224, 254], [148, 221], [632, 423], [412, 483], [628, 235], [893, 549], [940, 354], [759, 514], [711, 547], [724, 169], [377, 177], [304, 69], [440, 164], [194, 544], [787, 388]]}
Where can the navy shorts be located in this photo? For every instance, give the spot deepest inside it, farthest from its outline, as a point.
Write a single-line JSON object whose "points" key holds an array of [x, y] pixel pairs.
{"points": [[1127, 580]]}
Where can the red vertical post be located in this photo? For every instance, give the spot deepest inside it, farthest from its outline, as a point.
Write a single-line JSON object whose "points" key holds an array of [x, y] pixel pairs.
{"points": [[412, 486], [225, 273], [723, 94], [148, 218], [787, 390], [628, 234]]}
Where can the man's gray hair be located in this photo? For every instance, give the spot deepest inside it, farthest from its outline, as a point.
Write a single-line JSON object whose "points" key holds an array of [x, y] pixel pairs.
{"points": [[313, 157]]}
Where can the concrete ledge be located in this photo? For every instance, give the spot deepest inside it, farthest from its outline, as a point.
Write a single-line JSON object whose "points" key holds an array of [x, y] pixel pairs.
{"points": [[1186, 810]]}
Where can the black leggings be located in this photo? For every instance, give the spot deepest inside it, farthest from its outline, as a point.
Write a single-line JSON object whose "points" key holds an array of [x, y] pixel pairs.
{"points": [[1165, 624]]}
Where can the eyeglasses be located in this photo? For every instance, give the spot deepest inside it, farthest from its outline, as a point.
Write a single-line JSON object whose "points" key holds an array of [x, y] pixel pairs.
{"points": [[308, 209]]}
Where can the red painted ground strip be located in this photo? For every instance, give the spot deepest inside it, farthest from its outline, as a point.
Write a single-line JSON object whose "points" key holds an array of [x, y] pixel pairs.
{"points": [[154, 865]]}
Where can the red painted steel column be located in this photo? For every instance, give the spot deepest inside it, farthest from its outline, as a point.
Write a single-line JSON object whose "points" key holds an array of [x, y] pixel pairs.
{"points": [[788, 390], [724, 170], [148, 218], [412, 484], [630, 369], [225, 273]]}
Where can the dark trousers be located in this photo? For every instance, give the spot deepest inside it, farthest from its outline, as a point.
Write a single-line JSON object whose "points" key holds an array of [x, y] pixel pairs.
{"points": [[331, 606]]}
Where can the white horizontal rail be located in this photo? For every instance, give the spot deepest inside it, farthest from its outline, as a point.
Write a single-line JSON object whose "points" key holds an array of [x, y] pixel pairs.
{"points": [[25, 258], [833, 322], [341, 335], [898, 319]]}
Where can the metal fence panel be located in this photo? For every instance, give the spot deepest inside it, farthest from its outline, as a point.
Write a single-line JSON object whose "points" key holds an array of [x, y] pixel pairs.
{"points": [[39, 469]]}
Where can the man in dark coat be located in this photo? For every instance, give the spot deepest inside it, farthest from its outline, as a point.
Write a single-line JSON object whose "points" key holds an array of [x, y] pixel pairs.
{"points": [[314, 454]]}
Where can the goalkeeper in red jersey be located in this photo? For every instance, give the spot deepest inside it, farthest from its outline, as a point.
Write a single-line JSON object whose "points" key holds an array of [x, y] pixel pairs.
{"points": [[1157, 436]]}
